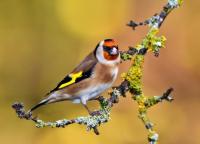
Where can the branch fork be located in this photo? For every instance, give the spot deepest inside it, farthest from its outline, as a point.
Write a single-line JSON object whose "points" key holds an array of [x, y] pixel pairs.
{"points": [[131, 82]]}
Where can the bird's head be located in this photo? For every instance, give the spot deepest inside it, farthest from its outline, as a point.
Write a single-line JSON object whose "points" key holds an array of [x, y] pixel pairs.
{"points": [[107, 52]]}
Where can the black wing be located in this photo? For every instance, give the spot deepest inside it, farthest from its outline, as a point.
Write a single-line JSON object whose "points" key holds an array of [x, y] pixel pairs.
{"points": [[81, 72]]}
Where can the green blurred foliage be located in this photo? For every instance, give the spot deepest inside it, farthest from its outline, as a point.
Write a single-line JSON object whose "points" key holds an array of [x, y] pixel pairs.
{"points": [[41, 41]]}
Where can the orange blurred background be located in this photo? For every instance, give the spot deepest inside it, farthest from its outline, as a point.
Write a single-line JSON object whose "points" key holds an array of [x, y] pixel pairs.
{"points": [[41, 41]]}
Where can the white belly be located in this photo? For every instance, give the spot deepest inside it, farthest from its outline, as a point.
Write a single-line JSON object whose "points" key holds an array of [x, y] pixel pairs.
{"points": [[91, 93], [95, 91]]}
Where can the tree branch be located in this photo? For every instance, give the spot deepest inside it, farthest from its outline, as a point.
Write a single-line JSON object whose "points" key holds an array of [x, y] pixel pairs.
{"points": [[132, 81]]}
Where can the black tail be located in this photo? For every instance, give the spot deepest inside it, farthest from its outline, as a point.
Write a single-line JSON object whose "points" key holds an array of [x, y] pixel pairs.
{"points": [[43, 102]]}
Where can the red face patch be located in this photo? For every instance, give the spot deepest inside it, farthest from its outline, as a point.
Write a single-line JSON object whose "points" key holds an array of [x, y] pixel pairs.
{"points": [[110, 49], [109, 57], [110, 43]]}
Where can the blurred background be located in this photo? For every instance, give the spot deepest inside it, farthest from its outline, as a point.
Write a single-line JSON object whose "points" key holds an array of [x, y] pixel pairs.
{"points": [[43, 40]]}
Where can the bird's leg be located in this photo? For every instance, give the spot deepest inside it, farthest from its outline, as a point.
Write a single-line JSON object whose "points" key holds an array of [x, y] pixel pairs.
{"points": [[92, 113], [86, 107], [99, 98]]}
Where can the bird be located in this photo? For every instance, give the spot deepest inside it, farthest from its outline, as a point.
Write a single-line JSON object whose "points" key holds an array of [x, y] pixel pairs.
{"points": [[95, 74]]}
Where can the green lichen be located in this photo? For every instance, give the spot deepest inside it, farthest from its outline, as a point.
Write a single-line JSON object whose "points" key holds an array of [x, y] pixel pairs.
{"points": [[152, 43], [175, 3], [42, 124], [134, 74], [153, 137], [125, 56]]}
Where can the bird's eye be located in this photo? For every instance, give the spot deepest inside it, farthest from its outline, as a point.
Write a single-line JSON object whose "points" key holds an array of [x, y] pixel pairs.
{"points": [[107, 49]]}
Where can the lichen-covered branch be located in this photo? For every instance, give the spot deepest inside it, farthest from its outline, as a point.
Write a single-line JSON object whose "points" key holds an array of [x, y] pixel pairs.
{"points": [[151, 43], [131, 81], [102, 116]]}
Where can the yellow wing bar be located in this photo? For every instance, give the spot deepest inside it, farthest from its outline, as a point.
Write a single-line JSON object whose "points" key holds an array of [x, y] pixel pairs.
{"points": [[73, 76]]}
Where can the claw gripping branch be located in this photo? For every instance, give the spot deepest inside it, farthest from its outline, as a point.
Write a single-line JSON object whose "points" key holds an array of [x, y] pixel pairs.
{"points": [[132, 81]]}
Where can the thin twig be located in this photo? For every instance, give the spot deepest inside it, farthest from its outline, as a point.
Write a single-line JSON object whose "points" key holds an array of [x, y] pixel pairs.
{"points": [[132, 82]]}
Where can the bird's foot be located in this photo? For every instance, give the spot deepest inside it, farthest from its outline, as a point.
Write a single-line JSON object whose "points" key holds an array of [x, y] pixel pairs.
{"points": [[95, 113]]}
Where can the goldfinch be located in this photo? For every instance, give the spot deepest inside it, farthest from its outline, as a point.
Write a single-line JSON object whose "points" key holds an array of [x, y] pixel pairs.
{"points": [[90, 78]]}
